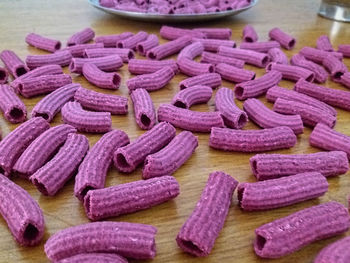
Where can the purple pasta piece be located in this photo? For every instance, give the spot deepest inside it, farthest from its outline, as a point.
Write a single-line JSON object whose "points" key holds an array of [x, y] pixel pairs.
{"points": [[286, 41], [130, 6], [107, 63], [279, 92], [323, 43], [233, 116], [78, 50], [152, 81], [12, 107], [345, 50], [94, 257], [198, 234], [252, 140], [285, 191], [213, 44], [250, 57], [127, 158], [132, 41], [172, 33], [293, 73], [249, 34], [43, 43], [15, 143], [107, 3], [334, 97], [328, 139], [214, 59], [189, 120], [144, 111], [41, 150], [100, 78], [86, 121], [334, 66], [345, 79], [93, 170], [266, 118], [126, 239], [317, 55], [51, 177], [50, 105], [15, 66], [30, 87], [257, 87], [321, 74], [143, 66], [81, 37], [270, 166], [263, 47], [169, 48], [22, 213], [124, 53], [215, 33], [151, 42], [130, 197], [337, 252], [192, 95], [300, 229], [111, 40], [61, 58], [3, 75], [171, 157], [191, 51], [309, 114], [234, 74], [212, 80], [194, 68], [276, 55]]}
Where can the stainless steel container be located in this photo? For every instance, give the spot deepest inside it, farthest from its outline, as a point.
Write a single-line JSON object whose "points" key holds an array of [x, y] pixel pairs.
{"points": [[335, 9]]}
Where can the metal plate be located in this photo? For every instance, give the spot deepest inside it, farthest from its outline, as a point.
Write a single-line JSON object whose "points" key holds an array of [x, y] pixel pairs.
{"points": [[176, 18]]}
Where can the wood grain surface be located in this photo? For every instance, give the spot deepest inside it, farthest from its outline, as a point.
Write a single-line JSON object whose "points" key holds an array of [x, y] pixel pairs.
{"points": [[60, 19]]}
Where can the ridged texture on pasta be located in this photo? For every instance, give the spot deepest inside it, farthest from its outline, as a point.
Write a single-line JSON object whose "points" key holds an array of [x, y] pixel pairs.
{"points": [[151, 42], [15, 143], [198, 234], [94, 258], [249, 56], [191, 51], [81, 37], [21, 213], [79, 50], [191, 68], [86, 121], [4, 75], [321, 74], [41, 150], [328, 139], [12, 107], [192, 95], [143, 66], [213, 44], [300, 229], [144, 111], [100, 78], [129, 240], [15, 66], [252, 140], [286, 41], [189, 120], [345, 50], [334, 97], [215, 33], [323, 43], [130, 197], [51, 177], [337, 252], [345, 79], [212, 80], [127, 158], [266, 118], [249, 34], [293, 73], [263, 47], [234, 74], [334, 66], [169, 48], [51, 104], [171, 157], [124, 53], [270, 166], [43, 43], [61, 58], [111, 40], [132, 41], [213, 58], [107, 63], [317, 55], [171, 33], [93, 170], [276, 55], [281, 192], [257, 87]]}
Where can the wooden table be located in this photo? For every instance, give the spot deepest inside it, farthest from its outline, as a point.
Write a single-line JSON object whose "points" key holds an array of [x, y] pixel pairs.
{"points": [[59, 19]]}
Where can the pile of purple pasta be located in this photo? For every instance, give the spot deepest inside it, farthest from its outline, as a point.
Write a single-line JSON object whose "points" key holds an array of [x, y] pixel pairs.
{"points": [[50, 156]]}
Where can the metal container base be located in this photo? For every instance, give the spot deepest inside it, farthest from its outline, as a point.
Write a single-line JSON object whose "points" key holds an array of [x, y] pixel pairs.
{"points": [[335, 12]]}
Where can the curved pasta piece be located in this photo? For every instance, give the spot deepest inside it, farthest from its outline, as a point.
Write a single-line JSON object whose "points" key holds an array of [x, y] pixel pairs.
{"points": [[127, 158], [276, 55], [321, 74], [129, 240], [144, 111], [252, 140], [212, 80], [285, 191], [189, 120], [233, 116], [337, 252], [249, 34], [130, 197], [314, 223], [15, 143], [152, 81], [171, 33], [79, 49], [234, 74], [323, 43], [193, 68], [213, 44], [192, 95], [15, 66], [107, 63], [334, 66], [95, 258], [21, 213], [51, 104], [293, 73], [345, 50], [86, 121], [124, 53], [270, 166], [334, 97], [213, 58], [286, 41], [93, 170], [317, 55], [198, 234], [12, 107], [132, 41], [51, 177], [169, 48], [263, 47], [191, 51], [43, 43], [151, 42], [3, 75], [345, 79], [266, 118], [328, 139], [215, 33], [99, 78], [61, 58], [110, 41], [171, 157], [81, 37], [144, 66], [257, 87], [41, 150]]}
